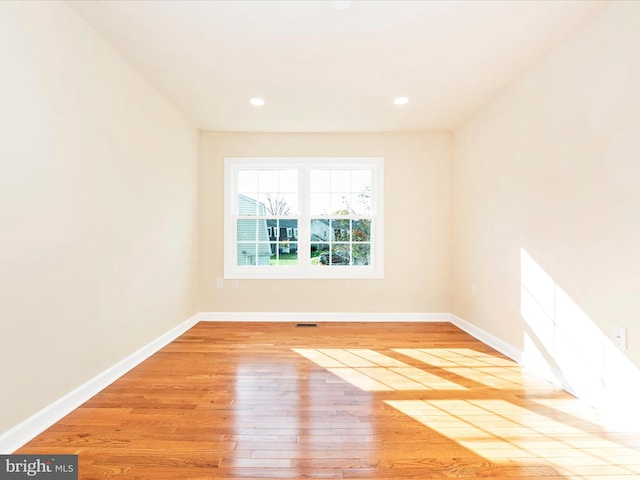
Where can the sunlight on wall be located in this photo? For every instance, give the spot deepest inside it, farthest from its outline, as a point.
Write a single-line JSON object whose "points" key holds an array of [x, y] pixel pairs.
{"points": [[562, 343]]}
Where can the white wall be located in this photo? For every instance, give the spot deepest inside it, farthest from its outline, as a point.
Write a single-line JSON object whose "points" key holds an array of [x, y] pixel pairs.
{"points": [[98, 179], [416, 225], [546, 210]]}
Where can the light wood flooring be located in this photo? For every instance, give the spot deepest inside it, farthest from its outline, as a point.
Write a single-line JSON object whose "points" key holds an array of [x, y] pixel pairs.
{"points": [[341, 400]]}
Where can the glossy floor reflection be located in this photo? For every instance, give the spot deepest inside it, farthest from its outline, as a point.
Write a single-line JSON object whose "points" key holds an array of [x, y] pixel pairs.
{"points": [[367, 400]]}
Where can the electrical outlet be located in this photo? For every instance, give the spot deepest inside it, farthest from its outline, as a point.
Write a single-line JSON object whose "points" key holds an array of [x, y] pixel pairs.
{"points": [[220, 282], [235, 283], [619, 335]]}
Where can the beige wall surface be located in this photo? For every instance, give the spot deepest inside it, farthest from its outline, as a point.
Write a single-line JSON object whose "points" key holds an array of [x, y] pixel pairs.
{"points": [[546, 208], [526, 223], [416, 203], [98, 178]]}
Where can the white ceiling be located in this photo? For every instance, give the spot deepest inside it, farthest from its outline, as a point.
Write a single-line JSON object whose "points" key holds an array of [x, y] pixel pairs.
{"points": [[325, 70]]}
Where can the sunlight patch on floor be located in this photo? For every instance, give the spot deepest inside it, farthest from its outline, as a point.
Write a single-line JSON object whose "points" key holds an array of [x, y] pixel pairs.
{"points": [[502, 431], [373, 371]]}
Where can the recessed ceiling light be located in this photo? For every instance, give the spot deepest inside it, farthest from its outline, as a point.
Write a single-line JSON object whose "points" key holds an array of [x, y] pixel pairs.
{"points": [[401, 101], [256, 102]]}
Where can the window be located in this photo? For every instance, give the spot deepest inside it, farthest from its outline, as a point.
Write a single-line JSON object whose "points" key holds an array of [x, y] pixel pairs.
{"points": [[303, 218]]}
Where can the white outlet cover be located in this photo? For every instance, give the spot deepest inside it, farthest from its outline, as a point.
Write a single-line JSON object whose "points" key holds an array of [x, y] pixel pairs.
{"points": [[619, 336]]}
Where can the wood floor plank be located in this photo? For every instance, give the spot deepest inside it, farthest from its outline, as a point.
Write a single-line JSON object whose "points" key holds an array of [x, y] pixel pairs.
{"points": [[367, 400]]}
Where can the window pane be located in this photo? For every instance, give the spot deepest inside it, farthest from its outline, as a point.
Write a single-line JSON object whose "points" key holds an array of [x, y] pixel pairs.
{"points": [[272, 229], [319, 253], [361, 231], [360, 180], [361, 203], [340, 255], [278, 205], [362, 254], [247, 230], [340, 180], [263, 235], [341, 230], [340, 203], [350, 200], [253, 254], [288, 181], [320, 204], [337, 202], [282, 229], [247, 254], [247, 181], [320, 181], [320, 230], [285, 260], [268, 181], [247, 204], [290, 203], [288, 230], [264, 254], [252, 230], [287, 247]]}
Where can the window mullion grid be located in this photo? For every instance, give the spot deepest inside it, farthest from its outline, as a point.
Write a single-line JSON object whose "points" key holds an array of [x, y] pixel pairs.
{"points": [[304, 169], [371, 241], [232, 199], [304, 224]]}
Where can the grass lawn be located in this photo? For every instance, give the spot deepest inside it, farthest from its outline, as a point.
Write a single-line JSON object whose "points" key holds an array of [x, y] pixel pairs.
{"points": [[292, 259], [285, 259]]}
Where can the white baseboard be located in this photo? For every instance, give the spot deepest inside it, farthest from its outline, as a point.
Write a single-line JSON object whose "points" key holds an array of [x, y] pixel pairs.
{"points": [[17, 436], [34, 425], [320, 317], [40, 421], [14, 438], [551, 375], [485, 337]]}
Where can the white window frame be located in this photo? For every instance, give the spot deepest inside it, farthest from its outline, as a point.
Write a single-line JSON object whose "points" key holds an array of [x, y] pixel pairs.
{"points": [[304, 269]]}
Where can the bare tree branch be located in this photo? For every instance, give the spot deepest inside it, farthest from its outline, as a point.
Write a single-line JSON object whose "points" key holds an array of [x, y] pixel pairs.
{"points": [[277, 206]]}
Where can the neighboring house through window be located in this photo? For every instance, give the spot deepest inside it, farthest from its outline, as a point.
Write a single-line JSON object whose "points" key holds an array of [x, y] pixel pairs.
{"points": [[303, 218]]}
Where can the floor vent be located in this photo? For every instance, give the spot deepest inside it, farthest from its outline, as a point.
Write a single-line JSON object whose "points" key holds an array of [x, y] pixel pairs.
{"points": [[306, 324]]}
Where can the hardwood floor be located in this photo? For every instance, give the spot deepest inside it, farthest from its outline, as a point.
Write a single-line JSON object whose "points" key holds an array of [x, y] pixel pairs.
{"points": [[342, 400]]}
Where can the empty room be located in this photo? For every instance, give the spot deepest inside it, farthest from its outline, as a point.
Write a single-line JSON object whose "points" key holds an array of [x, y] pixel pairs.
{"points": [[319, 239]]}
